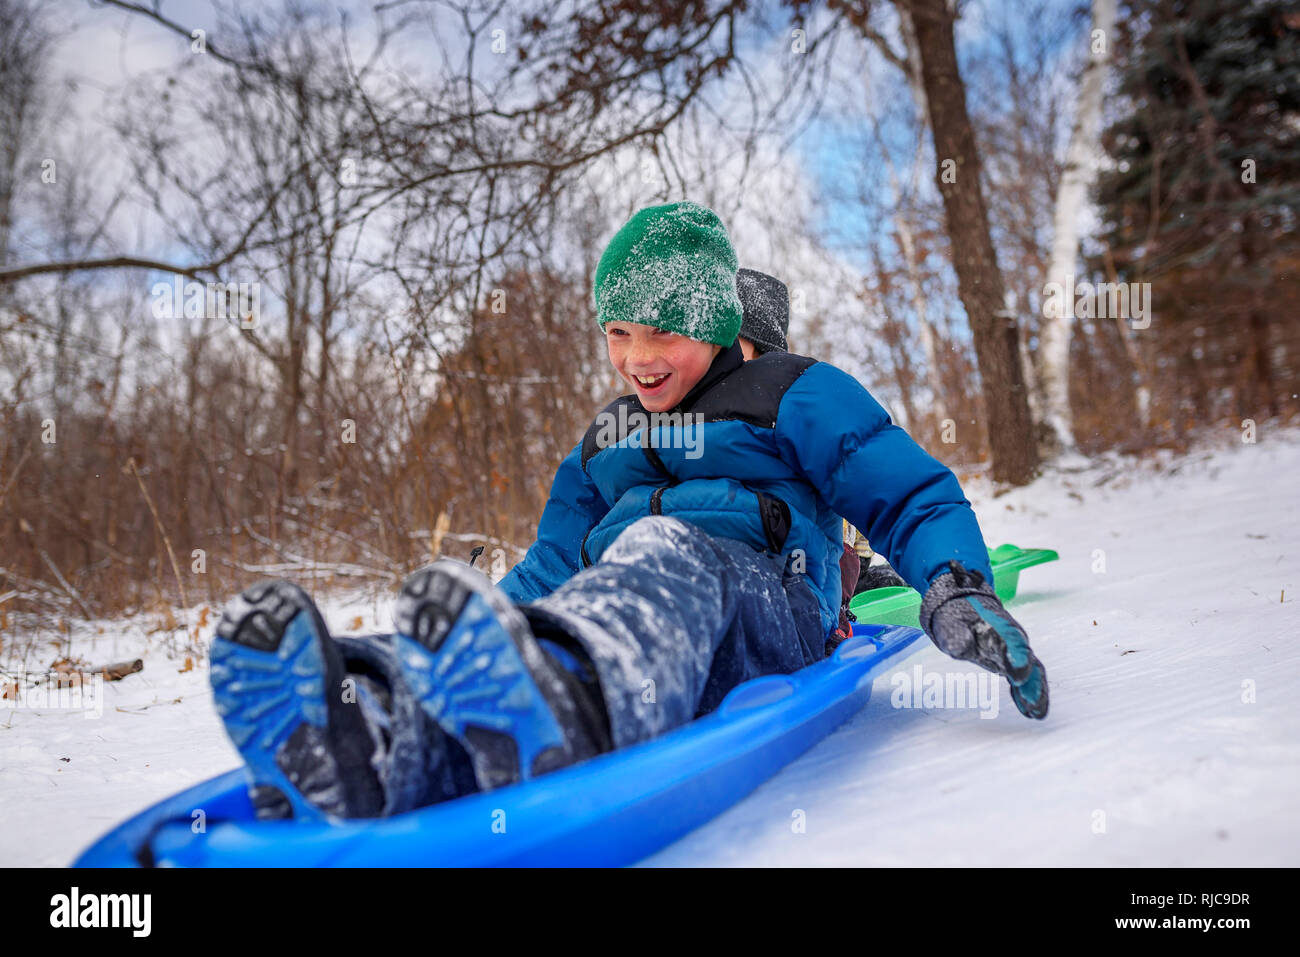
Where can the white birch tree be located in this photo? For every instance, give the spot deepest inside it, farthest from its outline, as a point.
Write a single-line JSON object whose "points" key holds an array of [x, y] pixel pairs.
{"points": [[1080, 165]]}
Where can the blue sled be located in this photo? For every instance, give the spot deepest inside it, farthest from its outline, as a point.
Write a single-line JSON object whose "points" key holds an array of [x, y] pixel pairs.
{"points": [[612, 810]]}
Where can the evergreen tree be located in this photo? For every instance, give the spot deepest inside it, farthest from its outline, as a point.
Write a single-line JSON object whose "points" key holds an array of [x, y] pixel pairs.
{"points": [[1202, 197]]}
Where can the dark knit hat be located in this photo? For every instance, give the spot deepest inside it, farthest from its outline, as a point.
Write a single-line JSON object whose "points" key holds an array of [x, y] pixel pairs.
{"points": [[766, 302], [671, 267]]}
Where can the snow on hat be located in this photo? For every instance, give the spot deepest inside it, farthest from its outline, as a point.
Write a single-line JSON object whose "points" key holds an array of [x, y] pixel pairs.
{"points": [[671, 267], [766, 303]]}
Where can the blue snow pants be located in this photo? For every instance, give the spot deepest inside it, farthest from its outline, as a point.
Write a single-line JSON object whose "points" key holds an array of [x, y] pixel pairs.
{"points": [[670, 618]]}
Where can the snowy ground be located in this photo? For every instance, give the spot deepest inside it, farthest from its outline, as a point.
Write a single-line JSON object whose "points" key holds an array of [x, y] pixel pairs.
{"points": [[1173, 738]]}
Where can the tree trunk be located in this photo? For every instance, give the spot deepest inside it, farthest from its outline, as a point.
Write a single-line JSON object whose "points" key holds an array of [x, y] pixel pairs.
{"points": [[1261, 393], [1080, 162], [979, 282], [904, 226]]}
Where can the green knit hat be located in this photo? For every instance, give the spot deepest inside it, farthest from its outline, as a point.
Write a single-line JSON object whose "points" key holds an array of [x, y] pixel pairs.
{"points": [[671, 267]]}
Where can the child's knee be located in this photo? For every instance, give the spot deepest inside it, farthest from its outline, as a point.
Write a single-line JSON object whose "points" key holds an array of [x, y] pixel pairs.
{"points": [[653, 534]]}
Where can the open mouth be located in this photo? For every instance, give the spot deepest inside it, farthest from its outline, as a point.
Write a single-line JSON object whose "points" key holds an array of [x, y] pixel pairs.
{"points": [[650, 384]]}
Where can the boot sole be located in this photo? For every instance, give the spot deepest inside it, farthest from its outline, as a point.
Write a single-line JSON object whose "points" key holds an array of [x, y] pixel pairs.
{"points": [[269, 673], [466, 652]]}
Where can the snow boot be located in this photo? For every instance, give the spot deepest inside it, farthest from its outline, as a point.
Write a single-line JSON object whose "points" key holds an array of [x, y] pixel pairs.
{"points": [[277, 680], [880, 575], [477, 670], [417, 763]]}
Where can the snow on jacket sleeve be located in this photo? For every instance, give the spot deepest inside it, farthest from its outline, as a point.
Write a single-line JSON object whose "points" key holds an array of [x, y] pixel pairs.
{"points": [[573, 508], [870, 471]]}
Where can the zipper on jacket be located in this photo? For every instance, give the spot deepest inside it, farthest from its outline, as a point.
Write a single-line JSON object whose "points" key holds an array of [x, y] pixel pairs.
{"points": [[656, 507]]}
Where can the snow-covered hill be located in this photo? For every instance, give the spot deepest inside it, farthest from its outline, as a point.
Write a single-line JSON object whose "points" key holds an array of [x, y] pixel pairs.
{"points": [[1168, 629]]}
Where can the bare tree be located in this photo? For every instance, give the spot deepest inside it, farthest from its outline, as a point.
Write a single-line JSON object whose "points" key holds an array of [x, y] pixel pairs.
{"points": [[25, 41], [957, 176], [1080, 164]]}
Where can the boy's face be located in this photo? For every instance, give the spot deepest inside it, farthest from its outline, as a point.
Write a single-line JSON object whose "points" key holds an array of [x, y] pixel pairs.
{"points": [[661, 366]]}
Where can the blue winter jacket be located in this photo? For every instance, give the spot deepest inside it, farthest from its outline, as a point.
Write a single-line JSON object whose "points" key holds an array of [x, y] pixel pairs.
{"points": [[772, 453]]}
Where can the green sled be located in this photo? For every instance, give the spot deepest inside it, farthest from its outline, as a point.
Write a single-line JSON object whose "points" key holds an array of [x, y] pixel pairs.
{"points": [[902, 606]]}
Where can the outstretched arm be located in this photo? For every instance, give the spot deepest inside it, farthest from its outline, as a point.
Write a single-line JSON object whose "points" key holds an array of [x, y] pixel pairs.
{"points": [[912, 509], [908, 503]]}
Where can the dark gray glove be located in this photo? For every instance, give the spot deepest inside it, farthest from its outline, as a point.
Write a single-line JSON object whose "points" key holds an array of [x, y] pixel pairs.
{"points": [[963, 615]]}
